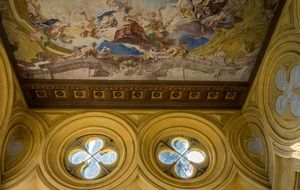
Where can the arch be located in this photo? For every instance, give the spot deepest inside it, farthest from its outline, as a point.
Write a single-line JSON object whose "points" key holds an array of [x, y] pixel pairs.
{"points": [[33, 143]]}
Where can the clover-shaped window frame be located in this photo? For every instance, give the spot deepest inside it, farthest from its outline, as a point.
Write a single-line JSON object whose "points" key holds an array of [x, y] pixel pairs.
{"points": [[194, 158], [94, 160], [288, 88]]}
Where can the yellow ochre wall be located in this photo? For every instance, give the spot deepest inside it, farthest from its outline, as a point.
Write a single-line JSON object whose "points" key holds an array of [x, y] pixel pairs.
{"points": [[44, 132]]}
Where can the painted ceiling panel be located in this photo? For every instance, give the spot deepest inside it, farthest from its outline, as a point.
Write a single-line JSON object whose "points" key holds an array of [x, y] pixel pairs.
{"points": [[201, 50]]}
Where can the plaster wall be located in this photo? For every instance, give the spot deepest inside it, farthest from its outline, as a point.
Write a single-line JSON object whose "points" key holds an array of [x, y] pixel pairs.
{"points": [[275, 169]]}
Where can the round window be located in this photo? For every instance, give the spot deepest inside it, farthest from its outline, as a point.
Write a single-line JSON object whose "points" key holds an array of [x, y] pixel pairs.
{"points": [[182, 157], [91, 157]]}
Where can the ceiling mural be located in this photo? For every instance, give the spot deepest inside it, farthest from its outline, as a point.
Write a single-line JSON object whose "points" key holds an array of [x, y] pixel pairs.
{"points": [[134, 40], [207, 40]]}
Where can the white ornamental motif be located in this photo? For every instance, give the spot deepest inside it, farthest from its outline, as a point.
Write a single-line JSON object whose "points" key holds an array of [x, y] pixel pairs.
{"points": [[178, 156], [95, 157], [288, 88]]}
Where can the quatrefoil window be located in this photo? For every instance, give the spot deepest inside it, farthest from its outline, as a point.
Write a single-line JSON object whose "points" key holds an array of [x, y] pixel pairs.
{"points": [[182, 157], [91, 157], [288, 89]]}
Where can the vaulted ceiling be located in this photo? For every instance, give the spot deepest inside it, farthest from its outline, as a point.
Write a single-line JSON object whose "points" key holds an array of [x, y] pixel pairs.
{"points": [[137, 53]]}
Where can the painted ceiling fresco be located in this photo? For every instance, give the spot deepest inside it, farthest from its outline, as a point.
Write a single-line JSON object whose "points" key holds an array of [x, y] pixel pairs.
{"points": [[173, 40]]}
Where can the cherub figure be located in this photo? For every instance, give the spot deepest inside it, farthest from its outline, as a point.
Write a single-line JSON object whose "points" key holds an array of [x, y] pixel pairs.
{"points": [[89, 51], [91, 27]]}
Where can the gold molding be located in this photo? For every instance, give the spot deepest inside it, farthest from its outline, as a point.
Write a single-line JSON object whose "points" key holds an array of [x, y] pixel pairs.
{"points": [[200, 128], [84, 124], [234, 129], [36, 127]]}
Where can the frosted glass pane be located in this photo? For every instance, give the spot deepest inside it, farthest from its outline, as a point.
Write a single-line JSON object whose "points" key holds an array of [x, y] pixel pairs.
{"points": [[107, 158], [14, 147], [168, 158], [295, 77], [94, 146], [180, 145], [184, 169], [195, 156], [281, 104], [295, 104], [92, 169], [255, 146], [79, 157], [281, 80]]}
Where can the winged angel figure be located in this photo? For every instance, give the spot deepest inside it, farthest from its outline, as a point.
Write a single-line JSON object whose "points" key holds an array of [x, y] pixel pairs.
{"points": [[211, 13]]}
